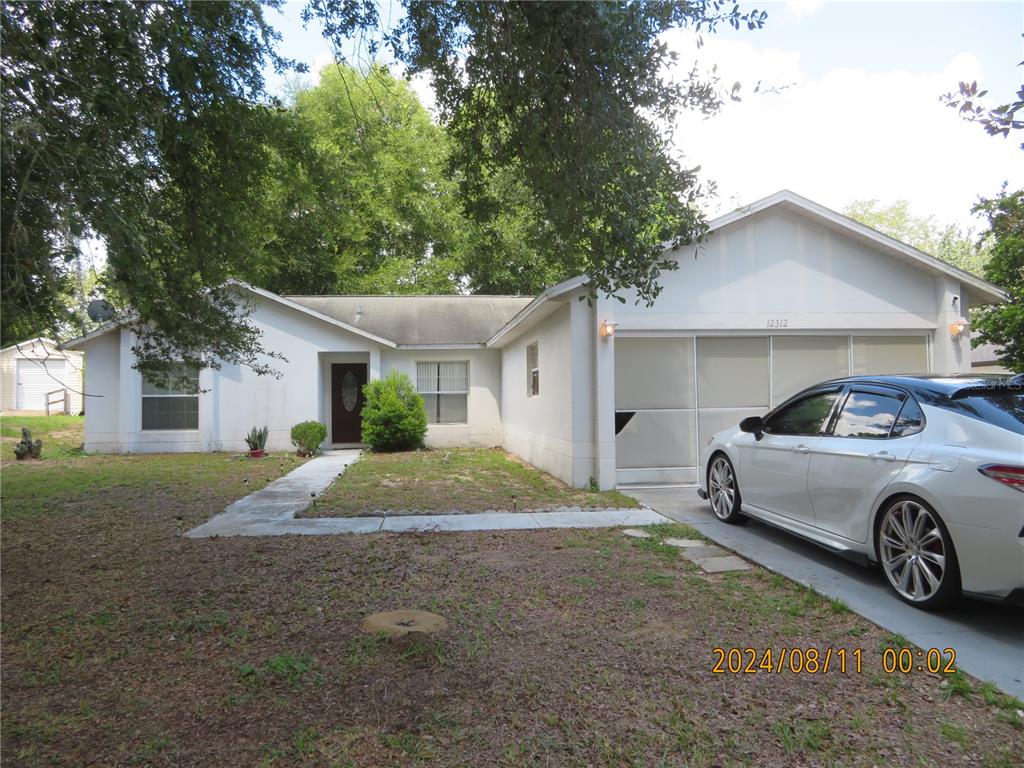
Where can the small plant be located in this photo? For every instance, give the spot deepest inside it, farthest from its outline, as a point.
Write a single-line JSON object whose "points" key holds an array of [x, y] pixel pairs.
{"points": [[394, 418], [28, 448], [257, 441], [307, 436]]}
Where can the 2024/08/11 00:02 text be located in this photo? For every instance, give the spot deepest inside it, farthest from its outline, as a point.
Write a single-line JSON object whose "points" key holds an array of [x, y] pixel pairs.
{"points": [[817, 662]]}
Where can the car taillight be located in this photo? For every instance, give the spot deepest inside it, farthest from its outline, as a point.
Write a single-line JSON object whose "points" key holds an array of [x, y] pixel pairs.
{"points": [[1005, 474]]}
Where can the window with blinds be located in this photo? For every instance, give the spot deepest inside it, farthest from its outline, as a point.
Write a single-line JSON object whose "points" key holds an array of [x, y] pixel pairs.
{"points": [[445, 390], [172, 403]]}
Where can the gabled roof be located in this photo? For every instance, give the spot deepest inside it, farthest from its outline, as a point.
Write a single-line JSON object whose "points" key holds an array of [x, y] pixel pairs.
{"points": [[979, 291], [536, 309], [392, 321], [420, 321]]}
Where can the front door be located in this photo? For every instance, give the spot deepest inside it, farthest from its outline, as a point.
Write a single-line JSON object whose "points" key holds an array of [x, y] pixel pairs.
{"points": [[347, 381]]}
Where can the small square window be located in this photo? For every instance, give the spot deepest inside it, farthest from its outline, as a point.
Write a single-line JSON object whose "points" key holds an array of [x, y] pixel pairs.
{"points": [[532, 370]]}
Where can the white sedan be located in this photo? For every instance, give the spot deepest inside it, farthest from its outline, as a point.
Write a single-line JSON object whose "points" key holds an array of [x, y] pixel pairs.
{"points": [[923, 474]]}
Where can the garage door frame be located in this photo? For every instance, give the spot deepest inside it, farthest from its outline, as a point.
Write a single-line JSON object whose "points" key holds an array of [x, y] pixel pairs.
{"points": [[670, 475]]}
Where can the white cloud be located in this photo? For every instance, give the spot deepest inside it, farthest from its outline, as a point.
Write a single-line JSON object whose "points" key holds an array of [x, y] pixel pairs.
{"points": [[849, 134], [801, 8]]}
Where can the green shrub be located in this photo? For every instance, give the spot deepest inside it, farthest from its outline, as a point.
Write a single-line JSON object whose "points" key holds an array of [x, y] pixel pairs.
{"points": [[307, 436], [393, 415]]}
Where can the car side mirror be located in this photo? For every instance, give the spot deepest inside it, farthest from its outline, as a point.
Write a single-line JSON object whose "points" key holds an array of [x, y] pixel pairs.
{"points": [[754, 425]]}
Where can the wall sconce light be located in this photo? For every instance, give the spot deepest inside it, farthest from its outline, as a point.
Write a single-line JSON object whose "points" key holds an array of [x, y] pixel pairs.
{"points": [[957, 329], [607, 330]]}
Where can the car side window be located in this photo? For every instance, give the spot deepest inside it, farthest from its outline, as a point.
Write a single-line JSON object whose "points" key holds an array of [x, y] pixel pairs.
{"points": [[868, 414], [910, 421], [806, 416]]}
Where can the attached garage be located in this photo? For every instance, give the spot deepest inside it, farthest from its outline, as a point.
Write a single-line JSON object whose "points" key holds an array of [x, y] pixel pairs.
{"points": [[36, 370], [674, 392]]}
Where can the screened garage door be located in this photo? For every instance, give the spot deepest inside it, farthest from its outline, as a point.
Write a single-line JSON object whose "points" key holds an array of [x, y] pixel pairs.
{"points": [[673, 393], [35, 380]]}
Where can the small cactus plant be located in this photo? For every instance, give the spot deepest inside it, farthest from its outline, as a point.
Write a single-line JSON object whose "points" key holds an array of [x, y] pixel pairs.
{"points": [[28, 448]]}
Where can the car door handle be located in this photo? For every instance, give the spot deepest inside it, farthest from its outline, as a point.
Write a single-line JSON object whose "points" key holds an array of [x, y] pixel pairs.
{"points": [[882, 456], [801, 449]]}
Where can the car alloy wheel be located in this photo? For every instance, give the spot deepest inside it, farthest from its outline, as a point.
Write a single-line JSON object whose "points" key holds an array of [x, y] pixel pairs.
{"points": [[917, 555], [722, 489]]}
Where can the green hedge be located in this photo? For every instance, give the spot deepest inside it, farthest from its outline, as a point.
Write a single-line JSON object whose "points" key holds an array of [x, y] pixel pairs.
{"points": [[394, 418], [307, 437]]}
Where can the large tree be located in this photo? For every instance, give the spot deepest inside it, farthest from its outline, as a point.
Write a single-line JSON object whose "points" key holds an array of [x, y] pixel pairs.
{"points": [[948, 242], [142, 124], [147, 125], [360, 198], [571, 97]]}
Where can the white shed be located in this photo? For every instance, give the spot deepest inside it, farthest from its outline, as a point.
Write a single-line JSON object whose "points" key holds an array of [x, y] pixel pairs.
{"points": [[37, 370]]}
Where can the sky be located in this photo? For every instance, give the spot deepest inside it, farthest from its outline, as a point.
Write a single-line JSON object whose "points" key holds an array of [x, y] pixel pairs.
{"points": [[853, 112]]}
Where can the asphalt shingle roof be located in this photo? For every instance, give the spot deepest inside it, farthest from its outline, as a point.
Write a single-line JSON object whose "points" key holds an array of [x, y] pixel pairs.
{"points": [[421, 319]]}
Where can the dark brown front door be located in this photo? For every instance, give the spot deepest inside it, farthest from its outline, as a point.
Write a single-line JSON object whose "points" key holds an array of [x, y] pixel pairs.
{"points": [[347, 380]]}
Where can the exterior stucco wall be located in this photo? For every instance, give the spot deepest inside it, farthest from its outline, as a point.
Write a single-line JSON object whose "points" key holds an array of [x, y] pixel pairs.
{"points": [[483, 427], [39, 350], [234, 399], [102, 393], [540, 428]]}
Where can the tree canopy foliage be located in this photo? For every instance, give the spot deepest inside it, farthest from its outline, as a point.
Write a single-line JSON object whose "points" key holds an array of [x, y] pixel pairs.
{"points": [[360, 198], [947, 242], [574, 97], [148, 126], [141, 124], [1003, 324]]}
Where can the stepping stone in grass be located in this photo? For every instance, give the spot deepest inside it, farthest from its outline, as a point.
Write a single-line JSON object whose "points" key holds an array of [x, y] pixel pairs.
{"points": [[682, 543], [635, 533], [704, 551], [723, 564]]}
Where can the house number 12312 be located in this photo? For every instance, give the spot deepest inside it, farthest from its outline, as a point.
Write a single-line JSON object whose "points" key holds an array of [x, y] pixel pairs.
{"points": [[778, 323]]}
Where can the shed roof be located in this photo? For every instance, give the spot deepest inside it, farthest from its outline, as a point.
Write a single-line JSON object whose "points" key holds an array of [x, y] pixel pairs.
{"points": [[420, 320]]}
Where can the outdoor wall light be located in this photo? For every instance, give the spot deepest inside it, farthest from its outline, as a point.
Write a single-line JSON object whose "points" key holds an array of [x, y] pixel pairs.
{"points": [[957, 329], [607, 329]]}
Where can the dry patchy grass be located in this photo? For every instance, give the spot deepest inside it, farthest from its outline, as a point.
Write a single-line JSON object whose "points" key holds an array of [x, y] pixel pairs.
{"points": [[126, 644], [449, 480]]}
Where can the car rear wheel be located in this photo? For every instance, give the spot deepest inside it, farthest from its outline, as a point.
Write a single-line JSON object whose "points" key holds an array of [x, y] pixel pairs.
{"points": [[723, 490], [917, 554]]}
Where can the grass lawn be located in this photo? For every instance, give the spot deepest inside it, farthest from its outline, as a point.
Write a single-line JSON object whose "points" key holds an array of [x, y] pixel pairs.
{"points": [[62, 436], [125, 644], [456, 479]]}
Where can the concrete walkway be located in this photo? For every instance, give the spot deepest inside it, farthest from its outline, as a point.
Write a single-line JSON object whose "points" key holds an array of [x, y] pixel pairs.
{"points": [[271, 511], [988, 638]]}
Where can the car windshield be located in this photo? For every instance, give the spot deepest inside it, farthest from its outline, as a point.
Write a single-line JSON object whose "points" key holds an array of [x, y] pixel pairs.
{"points": [[1001, 407]]}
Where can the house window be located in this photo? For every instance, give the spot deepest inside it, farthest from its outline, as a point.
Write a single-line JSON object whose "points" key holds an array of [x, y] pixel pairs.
{"points": [[532, 371], [174, 406], [445, 390]]}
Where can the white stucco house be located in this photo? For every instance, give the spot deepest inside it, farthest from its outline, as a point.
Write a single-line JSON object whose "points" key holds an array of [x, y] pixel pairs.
{"points": [[782, 294]]}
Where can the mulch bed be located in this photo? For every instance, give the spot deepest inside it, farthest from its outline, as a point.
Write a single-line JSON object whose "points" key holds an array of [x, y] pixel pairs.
{"points": [[126, 644]]}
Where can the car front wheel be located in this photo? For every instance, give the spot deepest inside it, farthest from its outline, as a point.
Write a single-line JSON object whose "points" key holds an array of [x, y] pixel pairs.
{"points": [[917, 554], [723, 490]]}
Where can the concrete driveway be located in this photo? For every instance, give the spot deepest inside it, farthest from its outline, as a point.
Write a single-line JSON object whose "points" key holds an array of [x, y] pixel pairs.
{"points": [[988, 638]]}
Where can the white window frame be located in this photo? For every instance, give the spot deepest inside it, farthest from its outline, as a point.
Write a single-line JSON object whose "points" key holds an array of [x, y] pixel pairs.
{"points": [[533, 384], [144, 396], [437, 391]]}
